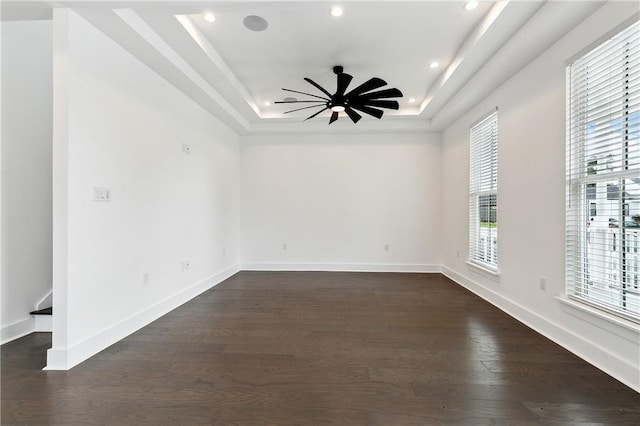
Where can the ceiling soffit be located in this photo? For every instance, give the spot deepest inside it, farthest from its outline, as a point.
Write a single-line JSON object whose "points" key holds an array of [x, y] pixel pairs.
{"points": [[236, 74]]}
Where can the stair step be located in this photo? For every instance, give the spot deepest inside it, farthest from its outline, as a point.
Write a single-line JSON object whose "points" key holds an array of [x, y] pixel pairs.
{"points": [[45, 311]]}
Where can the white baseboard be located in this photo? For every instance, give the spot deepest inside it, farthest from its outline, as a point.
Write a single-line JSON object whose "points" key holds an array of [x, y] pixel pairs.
{"points": [[594, 354], [66, 358], [17, 329], [341, 267], [44, 323]]}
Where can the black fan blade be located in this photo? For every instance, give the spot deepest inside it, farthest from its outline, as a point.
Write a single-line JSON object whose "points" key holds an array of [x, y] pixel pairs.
{"points": [[380, 104], [300, 109], [297, 102], [386, 93], [334, 117], [310, 117], [354, 116], [317, 86], [377, 113], [371, 84], [308, 94], [343, 82]]}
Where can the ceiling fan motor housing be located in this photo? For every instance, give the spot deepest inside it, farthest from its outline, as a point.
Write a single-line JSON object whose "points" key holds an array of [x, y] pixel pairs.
{"points": [[337, 100], [363, 98]]}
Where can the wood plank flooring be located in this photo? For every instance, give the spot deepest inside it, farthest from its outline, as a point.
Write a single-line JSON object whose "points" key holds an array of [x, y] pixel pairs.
{"points": [[311, 348]]}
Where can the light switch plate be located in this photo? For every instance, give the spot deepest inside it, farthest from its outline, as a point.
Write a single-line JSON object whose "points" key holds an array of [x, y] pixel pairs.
{"points": [[101, 194]]}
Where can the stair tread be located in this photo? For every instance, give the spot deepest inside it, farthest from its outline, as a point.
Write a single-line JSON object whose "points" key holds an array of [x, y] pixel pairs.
{"points": [[45, 311]]}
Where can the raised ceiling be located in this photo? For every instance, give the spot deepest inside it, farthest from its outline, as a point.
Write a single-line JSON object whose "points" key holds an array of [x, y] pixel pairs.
{"points": [[237, 74]]}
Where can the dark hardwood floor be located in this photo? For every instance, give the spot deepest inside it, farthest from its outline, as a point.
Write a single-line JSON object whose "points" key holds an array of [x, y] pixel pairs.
{"points": [[320, 348]]}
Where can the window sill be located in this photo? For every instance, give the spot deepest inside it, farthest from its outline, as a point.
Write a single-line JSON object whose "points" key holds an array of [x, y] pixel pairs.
{"points": [[491, 273], [609, 322]]}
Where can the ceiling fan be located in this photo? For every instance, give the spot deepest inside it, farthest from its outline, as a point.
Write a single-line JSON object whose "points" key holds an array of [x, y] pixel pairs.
{"points": [[362, 98]]}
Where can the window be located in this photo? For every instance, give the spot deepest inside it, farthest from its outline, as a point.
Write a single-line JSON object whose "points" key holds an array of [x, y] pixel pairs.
{"points": [[483, 193], [603, 175]]}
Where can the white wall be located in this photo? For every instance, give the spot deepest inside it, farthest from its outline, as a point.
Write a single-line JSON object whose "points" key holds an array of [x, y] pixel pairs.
{"points": [[531, 156], [119, 125], [26, 172], [337, 199]]}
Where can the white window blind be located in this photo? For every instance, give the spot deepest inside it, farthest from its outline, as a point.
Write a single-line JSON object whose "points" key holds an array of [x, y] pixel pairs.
{"points": [[603, 176], [483, 192]]}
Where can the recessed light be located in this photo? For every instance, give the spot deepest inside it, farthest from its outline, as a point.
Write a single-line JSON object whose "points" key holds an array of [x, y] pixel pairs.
{"points": [[209, 17], [412, 100], [433, 65], [470, 5], [336, 11], [267, 103]]}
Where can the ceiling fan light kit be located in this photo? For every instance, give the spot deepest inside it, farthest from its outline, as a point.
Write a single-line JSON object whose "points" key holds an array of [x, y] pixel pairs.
{"points": [[363, 98]]}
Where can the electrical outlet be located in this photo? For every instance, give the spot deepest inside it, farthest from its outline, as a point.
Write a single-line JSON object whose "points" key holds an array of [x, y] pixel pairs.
{"points": [[186, 265], [458, 253], [284, 246], [543, 284], [145, 279], [386, 247]]}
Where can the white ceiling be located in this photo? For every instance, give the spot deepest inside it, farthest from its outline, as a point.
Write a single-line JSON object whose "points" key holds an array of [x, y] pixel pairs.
{"points": [[232, 71]]}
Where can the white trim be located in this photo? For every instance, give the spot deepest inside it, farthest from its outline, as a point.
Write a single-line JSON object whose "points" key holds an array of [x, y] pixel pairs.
{"points": [[595, 270], [625, 372], [43, 323], [494, 273], [484, 117], [474, 39], [591, 352], [203, 42], [483, 183], [340, 267], [393, 124], [612, 323], [66, 358], [45, 302], [17, 330], [603, 39], [137, 24]]}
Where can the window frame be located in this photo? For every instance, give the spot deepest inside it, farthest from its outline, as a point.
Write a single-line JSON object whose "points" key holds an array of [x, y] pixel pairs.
{"points": [[581, 174], [479, 251]]}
